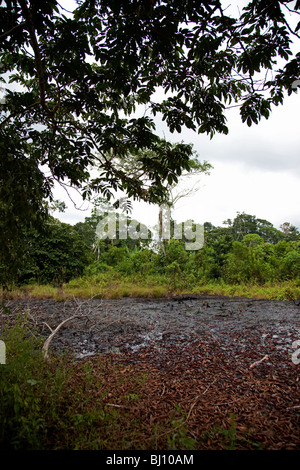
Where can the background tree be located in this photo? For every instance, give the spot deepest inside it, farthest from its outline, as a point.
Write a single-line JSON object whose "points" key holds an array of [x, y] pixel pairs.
{"points": [[55, 256], [290, 232], [102, 208], [244, 224], [174, 194]]}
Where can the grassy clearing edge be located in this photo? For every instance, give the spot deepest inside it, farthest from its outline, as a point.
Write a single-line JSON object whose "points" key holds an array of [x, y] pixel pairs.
{"points": [[116, 288]]}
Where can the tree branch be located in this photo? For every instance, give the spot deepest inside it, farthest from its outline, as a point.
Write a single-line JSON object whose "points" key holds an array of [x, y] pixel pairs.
{"points": [[38, 57], [14, 28]]}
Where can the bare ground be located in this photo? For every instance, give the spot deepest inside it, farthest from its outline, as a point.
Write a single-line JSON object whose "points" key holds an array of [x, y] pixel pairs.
{"points": [[216, 357]]}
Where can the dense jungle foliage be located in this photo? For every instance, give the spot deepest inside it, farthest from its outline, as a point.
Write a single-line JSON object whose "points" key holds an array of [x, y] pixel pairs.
{"points": [[245, 250]]}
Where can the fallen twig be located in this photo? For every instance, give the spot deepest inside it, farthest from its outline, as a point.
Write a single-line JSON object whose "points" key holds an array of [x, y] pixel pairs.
{"points": [[48, 326], [191, 408], [258, 362], [196, 399], [209, 386]]}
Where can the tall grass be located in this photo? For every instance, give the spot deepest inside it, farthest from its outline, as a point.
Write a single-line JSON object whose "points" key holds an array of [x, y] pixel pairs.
{"points": [[113, 285]]}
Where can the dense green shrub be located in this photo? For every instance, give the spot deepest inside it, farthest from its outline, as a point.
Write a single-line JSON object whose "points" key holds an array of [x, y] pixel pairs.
{"points": [[22, 420], [250, 260], [54, 256], [249, 250]]}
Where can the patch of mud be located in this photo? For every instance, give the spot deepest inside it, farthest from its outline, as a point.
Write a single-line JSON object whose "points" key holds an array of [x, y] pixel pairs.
{"points": [[128, 325]]}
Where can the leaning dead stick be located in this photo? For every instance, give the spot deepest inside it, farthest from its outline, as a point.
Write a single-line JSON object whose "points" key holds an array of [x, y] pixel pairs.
{"points": [[53, 333]]}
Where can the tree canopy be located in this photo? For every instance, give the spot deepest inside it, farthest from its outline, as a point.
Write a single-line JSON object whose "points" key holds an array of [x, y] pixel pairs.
{"points": [[81, 89]]}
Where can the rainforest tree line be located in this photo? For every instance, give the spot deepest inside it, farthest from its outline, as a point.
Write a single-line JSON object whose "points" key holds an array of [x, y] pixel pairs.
{"points": [[244, 250]]}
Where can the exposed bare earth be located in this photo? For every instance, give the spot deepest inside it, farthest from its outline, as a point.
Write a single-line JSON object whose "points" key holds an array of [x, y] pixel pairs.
{"points": [[216, 357]]}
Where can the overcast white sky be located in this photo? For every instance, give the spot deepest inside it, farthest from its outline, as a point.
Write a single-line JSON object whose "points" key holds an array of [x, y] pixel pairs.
{"points": [[256, 171]]}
